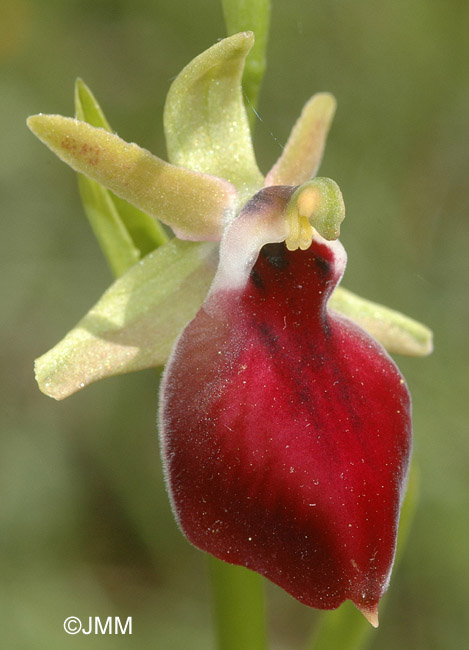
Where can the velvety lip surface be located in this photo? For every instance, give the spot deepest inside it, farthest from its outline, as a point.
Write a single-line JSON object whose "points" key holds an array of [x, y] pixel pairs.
{"points": [[286, 434]]}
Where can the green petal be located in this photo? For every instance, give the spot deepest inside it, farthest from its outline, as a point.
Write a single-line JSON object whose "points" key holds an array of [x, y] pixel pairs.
{"points": [[205, 120], [196, 206], [302, 154], [144, 232], [399, 334], [134, 324]]}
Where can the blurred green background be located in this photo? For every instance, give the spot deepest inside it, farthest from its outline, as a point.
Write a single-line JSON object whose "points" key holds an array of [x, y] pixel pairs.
{"points": [[86, 529]]}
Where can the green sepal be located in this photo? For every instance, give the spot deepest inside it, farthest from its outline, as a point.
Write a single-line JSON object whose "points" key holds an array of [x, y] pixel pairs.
{"points": [[135, 323], [87, 108], [205, 120], [253, 15], [108, 227], [145, 232], [196, 206], [302, 154], [396, 332], [116, 242], [106, 223]]}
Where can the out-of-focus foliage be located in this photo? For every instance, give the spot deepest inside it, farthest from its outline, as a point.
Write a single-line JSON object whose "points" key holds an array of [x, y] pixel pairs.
{"points": [[86, 527]]}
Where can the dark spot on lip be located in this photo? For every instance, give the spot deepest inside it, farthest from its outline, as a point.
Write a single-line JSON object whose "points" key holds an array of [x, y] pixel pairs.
{"points": [[323, 265], [276, 255], [257, 279], [269, 339]]}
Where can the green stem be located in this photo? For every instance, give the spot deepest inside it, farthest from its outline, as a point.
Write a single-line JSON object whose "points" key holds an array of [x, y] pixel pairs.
{"points": [[344, 629], [238, 605], [252, 15]]}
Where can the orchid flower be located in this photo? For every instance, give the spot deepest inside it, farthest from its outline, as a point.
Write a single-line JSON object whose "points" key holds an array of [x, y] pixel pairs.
{"points": [[285, 425]]}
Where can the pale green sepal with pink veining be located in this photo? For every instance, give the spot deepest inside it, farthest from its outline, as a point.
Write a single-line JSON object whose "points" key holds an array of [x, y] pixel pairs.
{"points": [[196, 206], [135, 323]]}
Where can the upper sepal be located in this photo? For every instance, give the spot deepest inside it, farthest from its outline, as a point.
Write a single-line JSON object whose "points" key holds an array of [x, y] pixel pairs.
{"points": [[205, 120]]}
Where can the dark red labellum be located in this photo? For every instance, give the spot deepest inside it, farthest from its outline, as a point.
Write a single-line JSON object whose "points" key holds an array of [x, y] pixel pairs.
{"points": [[287, 434]]}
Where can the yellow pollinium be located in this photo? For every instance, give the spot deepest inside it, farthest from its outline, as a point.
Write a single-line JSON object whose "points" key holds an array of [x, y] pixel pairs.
{"points": [[317, 204], [300, 230]]}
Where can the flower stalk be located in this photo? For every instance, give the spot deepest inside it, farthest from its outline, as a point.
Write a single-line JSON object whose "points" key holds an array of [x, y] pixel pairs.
{"points": [[250, 15], [238, 607]]}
